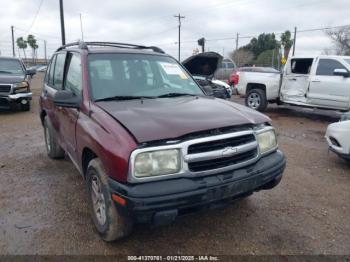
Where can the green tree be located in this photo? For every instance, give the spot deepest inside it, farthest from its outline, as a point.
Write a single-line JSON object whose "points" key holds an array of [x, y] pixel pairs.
{"points": [[33, 44], [287, 42], [22, 44], [262, 43], [267, 58], [242, 57]]}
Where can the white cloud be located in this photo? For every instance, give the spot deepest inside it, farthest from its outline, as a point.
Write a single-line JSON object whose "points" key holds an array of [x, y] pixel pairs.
{"points": [[152, 22]]}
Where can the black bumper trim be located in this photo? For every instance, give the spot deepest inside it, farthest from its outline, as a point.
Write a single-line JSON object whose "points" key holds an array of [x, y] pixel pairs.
{"points": [[150, 202]]}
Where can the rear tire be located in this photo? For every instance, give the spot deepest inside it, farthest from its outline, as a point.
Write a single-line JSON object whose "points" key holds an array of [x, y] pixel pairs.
{"points": [[53, 149], [109, 222], [256, 99]]}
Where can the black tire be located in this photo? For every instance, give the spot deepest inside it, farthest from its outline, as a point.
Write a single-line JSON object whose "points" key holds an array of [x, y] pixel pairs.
{"points": [[256, 99], [25, 107], [53, 149], [109, 222]]}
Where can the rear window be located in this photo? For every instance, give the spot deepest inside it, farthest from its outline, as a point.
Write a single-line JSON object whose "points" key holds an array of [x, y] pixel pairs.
{"points": [[11, 66]]}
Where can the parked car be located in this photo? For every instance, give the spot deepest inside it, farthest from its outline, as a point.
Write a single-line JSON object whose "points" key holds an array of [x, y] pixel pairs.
{"points": [[42, 68], [145, 137], [226, 67], [14, 83], [338, 137], [203, 66], [319, 82]]}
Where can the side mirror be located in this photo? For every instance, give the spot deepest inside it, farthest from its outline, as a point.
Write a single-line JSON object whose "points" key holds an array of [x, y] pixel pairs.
{"points": [[341, 72], [30, 72], [66, 98]]}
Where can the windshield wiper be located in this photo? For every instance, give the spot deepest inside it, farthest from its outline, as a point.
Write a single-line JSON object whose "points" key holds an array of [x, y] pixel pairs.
{"points": [[175, 95], [112, 98], [5, 72]]}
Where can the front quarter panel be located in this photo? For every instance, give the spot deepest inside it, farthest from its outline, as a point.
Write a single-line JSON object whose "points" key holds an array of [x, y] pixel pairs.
{"points": [[341, 132], [107, 139]]}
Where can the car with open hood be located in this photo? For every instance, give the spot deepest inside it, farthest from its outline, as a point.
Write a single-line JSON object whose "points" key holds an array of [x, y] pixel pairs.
{"points": [[203, 67], [150, 144], [14, 83]]}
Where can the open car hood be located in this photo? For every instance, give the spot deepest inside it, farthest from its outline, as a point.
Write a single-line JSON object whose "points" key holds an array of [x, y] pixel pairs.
{"points": [[196, 64]]}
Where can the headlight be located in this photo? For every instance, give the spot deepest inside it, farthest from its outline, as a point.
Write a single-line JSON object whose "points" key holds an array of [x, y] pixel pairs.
{"points": [[157, 163], [20, 87], [345, 117], [266, 140]]}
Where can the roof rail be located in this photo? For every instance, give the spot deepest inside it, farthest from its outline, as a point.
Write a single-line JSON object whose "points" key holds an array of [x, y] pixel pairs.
{"points": [[84, 45]]}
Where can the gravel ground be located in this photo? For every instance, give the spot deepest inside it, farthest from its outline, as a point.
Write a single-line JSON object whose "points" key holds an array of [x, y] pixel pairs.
{"points": [[43, 207]]}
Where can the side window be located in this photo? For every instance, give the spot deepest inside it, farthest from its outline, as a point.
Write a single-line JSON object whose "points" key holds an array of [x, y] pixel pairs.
{"points": [[326, 67], [301, 66], [230, 65], [49, 72], [74, 76], [59, 71]]}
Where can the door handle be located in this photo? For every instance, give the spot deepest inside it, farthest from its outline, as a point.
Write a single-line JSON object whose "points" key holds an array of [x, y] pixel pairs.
{"points": [[315, 81], [292, 79]]}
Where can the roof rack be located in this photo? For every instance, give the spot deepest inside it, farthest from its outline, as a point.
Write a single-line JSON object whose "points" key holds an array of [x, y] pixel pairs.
{"points": [[84, 45]]}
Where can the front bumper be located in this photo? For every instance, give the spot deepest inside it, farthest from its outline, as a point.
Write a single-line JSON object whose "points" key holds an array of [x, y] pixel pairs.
{"points": [[20, 96], [161, 202], [7, 100]]}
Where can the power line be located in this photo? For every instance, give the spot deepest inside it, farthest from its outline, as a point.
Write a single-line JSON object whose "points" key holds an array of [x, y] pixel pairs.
{"points": [[36, 15]]}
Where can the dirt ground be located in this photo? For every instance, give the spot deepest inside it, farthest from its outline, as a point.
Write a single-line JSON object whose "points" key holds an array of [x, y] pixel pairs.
{"points": [[43, 207]]}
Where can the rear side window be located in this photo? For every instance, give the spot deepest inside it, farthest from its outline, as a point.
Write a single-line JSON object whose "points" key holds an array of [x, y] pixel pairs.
{"points": [[326, 67], [59, 71], [49, 71], [301, 65]]}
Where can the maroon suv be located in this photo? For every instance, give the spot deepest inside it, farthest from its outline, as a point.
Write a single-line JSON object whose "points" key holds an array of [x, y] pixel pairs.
{"points": [[149, 142]]}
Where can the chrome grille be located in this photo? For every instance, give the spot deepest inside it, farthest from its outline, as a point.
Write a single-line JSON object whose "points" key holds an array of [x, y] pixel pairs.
{"points": [[220, 144], [222, 162], [229, 151], [5, 88]]}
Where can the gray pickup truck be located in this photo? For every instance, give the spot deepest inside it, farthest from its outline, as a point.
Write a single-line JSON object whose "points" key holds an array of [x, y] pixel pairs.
{"points": [[14, 83]]}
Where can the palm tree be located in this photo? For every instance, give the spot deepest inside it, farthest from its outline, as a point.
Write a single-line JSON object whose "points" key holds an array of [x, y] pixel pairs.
{"points": [[22, 44], [32, 43], [286, 42]]}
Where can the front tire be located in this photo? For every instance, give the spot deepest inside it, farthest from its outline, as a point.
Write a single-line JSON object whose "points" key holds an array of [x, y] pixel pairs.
{"points": [[256, 99], [26, 106], [53, 149], [110, 224]]}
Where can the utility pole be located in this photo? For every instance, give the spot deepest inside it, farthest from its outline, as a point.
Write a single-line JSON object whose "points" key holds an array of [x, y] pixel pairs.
{"points": [[45, 53], [237, 37], [179, 42], [63, 33], [81, 28], [295, 39], [13, 42]]}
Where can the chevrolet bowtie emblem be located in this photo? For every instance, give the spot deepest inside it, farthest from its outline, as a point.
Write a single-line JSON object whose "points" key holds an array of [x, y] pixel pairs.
{"points": [[229, 151]]}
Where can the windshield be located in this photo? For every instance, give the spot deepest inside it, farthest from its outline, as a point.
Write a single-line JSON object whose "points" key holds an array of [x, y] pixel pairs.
{"points": [[137, 75], [10, 66]]}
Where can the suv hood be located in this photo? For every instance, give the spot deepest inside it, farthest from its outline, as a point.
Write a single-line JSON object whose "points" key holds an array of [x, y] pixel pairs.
{"points": [[171, 118], [11, 78], [194, 64]]}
